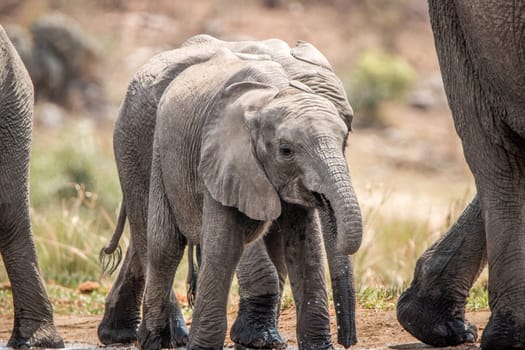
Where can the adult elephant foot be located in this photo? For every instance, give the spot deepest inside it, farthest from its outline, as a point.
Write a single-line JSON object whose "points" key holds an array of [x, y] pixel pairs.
{"points": [[433, 308], [437, 321], [31, 334], [502, 332], [256, 324]]}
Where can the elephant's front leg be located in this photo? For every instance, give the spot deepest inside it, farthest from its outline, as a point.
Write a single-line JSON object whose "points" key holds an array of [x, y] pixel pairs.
{"points": [[164, 252], [256, 323], [223, 235], [501, 189], [305, 263], [433, 308]]}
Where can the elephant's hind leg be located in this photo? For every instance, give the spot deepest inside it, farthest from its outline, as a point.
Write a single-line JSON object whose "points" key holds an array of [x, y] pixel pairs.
{"points": [[256, 323], [433, 308], [122, 309], [33, 324]]}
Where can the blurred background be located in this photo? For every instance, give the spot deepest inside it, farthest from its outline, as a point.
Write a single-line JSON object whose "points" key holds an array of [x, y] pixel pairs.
{"points": [[404, 155]]}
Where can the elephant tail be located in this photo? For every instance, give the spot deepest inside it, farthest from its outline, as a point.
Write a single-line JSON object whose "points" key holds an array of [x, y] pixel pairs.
{"points": [[111, 255], [193, 272]]}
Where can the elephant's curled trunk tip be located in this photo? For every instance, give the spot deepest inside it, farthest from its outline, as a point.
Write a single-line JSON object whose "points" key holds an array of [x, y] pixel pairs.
{"points": [[348, 217], [111, 255], [350, 246]]}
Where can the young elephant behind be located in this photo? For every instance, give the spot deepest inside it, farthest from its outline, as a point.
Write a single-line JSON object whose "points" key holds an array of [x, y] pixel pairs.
{"points": [[33, 324], [133, 144]]}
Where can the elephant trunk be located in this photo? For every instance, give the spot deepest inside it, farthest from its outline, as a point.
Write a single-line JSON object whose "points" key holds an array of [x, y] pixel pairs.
{"points": [[342, 231], [341, 275], [334, 184]]}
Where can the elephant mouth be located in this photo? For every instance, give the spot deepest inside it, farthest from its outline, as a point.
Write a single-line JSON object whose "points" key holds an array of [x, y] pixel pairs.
{"points": [[296, 193], [322, 201]]}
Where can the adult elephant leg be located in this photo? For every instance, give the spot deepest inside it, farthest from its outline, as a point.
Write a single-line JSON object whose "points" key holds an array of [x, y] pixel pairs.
{"points": [[487, 102], [503, 202], [305, 265], [501, 187], [33, 314], [341, 275], [433, 308], [256, 323]]}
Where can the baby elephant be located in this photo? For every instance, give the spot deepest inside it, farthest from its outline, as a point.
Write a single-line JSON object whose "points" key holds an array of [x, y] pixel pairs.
{"points": [[238, 146], [33, 325], [263, 266]]}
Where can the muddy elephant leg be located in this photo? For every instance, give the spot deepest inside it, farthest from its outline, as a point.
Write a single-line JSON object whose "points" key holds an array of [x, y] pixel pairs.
{"points": [[33, 314], [305, 265], [433, 308], [256, 323]]}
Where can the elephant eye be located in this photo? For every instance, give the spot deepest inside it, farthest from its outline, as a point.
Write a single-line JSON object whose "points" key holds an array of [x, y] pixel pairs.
{"points": [[285, 151]]}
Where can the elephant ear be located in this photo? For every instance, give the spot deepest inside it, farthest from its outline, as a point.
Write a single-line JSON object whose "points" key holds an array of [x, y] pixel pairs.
{"points": [[228, 165], [305, 51]]}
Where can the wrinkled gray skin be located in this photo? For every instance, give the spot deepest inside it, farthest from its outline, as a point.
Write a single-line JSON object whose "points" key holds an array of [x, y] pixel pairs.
{"points": [[481, 54], [133, 131], [33, 319]]}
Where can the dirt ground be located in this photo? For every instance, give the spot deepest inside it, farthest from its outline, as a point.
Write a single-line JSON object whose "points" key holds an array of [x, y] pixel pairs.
{"points": [[376, 329]]}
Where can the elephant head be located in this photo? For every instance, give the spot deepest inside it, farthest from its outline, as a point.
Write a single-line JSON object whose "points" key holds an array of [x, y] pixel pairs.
{"points": [[279, 143]]}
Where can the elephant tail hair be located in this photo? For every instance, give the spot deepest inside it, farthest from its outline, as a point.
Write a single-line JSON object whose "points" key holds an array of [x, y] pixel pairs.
{"points": [[193, 272], [111, 255]]}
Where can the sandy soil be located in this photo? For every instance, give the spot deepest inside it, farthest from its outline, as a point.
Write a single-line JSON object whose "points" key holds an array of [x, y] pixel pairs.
{"points": [[375, 329]]}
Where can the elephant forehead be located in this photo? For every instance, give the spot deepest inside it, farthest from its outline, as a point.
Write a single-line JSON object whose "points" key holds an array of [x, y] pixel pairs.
{"points": [[311, 126], [308, 110]]}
